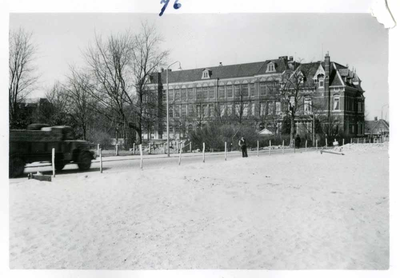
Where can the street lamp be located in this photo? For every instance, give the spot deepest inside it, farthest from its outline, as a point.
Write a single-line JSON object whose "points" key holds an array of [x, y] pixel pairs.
{"points": [[168, 104], [382, 109]]}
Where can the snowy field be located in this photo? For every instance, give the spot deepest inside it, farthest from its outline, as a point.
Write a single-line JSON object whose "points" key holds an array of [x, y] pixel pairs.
{"points": [[291, 211]]}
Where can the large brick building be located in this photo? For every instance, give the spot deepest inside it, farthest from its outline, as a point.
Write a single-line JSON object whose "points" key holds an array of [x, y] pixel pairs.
{"points": [[251, 93]]}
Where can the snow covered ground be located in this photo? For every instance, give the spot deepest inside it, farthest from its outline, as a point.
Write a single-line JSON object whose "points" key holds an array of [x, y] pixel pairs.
{"points": [[291, 211]]}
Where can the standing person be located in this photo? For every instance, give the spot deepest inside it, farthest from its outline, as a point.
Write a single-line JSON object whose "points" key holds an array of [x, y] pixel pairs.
{"points": [[243, 146], [297, 141]]}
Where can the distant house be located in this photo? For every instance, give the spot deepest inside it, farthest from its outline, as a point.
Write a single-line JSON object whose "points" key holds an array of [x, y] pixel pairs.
{"points": [[376, 128], [32, 110]]}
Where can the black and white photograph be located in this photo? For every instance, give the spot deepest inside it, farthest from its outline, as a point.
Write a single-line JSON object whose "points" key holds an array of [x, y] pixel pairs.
{"points": [[198, 141]]}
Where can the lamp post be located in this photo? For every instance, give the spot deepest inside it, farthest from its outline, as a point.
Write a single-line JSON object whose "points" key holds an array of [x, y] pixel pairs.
{"points": [[168, 104], [382, 109]]}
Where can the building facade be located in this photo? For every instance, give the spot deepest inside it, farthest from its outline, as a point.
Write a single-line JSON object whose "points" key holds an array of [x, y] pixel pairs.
{"points": [[253, 93]]}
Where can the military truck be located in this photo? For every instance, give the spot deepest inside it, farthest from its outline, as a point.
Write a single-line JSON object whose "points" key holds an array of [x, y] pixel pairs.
{"points": [[35, 144]]}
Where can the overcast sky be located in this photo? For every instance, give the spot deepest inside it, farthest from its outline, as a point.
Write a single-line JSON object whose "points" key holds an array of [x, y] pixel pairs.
{"points": [[198, 40]]}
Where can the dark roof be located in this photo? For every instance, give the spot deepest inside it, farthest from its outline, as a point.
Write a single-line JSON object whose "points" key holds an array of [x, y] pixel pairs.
{"points": [[335, 81], [255, 68], [228, 71], [375, 127]]}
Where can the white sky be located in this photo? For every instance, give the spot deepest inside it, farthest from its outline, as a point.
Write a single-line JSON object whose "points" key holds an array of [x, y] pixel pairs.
{"points": [[201, 40]]}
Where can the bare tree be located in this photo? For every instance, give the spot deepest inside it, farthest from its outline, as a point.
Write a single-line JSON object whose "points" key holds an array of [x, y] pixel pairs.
{"points": [[22, 75], [55, 113], [146, 58], [112, 84], [80, 104], [120, 67], [293, 86]]}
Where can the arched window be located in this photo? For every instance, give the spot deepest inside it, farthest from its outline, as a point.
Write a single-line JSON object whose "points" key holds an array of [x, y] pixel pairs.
{"points": [[270, 67]]}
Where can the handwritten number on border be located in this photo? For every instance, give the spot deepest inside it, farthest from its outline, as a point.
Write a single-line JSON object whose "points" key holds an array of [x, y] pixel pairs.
{"points": [[166, 2]]}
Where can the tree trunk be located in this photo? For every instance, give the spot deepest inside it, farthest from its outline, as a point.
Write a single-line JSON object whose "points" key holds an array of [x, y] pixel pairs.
{"points": [[292, 130]]}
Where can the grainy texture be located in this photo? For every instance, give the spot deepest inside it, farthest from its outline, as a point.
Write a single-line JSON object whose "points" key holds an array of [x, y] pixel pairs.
{"points": [[292, 211]]}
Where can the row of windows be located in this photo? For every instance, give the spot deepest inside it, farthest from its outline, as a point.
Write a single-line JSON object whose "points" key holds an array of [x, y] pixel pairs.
{"points": [[223, 91], [211, 110], [356, 129], [352, 104]]}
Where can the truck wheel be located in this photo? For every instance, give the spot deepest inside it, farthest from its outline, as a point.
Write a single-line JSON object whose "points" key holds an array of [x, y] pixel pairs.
{"points": [[84, 161], [59, 165], [17, 165]]}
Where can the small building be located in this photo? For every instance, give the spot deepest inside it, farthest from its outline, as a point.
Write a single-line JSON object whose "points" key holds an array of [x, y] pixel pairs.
{"points": [[377, 128]]}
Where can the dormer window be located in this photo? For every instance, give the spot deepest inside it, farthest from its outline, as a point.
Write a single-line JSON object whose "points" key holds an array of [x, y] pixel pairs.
{"points": [[271, 67], [319, 76], [300, 78], [206, 74], [320, 80]]}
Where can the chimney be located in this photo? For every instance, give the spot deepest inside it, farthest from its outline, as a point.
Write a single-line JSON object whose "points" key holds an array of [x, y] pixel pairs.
{"points": [[327, 65], [220, 64]]}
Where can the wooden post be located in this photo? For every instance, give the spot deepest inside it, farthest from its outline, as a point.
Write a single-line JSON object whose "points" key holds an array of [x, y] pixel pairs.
{"points": [[283, 146], [343, 142], [133, 149], [165, 147], [258, 146], [149, 147], [53, 158], [116, 149], [316, 144], [226, 147], [351, 140], [190, 146], [98, 149], [141, 156], [306, 144], [101, 161], [180, 153], [364, 140], [269, 147], [326, 142], [358, 140], [204, 152]]}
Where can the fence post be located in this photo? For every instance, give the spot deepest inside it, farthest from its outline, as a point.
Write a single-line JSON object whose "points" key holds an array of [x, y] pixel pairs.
{"points": [[283, 146], [326, 142], [141, 156], [316, 144], [269, 147], [364, 140], [180, 153], [53, 158], [149, 147], [101, 161], [225, 150], [116, 149], [343, 142], [190, 146], [358, 140], [204, 152], [98, 148], [258, 146], [351, 140], [306, 145], [133, 149]]}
